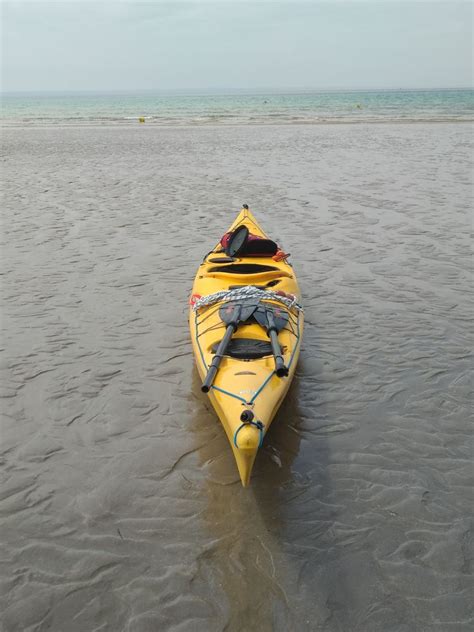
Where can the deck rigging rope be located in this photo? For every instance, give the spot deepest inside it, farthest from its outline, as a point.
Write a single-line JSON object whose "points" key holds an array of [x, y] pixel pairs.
{"points": [[245, 292]]}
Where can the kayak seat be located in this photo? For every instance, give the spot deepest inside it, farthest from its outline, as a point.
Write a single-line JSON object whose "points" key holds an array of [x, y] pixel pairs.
{"points": [[254, 246], [259, 248], [247, 349], [243, 268]]}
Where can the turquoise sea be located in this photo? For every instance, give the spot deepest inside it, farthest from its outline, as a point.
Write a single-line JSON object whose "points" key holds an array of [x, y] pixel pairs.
{"points": [[263, 108]]}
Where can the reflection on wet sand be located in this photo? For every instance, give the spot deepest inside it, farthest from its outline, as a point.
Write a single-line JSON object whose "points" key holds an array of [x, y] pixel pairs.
{"points": [[246, 561], [265, 537]]}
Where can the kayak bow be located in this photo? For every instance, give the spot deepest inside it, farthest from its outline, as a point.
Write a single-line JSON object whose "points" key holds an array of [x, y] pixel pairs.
{"points": [[246, 326]]}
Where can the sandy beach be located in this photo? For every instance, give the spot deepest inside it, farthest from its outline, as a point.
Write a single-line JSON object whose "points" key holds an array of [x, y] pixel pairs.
{"points": [[121, 507]]}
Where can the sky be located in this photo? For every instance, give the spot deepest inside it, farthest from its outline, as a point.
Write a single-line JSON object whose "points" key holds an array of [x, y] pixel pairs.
{"points": [[235, 45]]}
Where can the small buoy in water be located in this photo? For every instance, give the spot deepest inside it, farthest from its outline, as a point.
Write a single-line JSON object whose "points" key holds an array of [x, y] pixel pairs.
{"points": [[141, 119]]}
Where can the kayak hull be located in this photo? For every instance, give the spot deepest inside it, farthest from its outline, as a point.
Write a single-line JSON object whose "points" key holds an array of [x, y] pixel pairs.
{"points": [[245, 384]]}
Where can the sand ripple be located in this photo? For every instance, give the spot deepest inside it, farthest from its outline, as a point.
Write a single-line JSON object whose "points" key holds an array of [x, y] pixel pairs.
{"points": [[120, 505]]}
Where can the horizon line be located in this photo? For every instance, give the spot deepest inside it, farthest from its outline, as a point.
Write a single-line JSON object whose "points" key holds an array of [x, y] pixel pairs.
{"points": [[228, 91]]}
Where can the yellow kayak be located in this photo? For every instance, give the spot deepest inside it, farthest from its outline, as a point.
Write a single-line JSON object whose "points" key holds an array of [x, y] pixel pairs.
{"points": [[246, 326]]}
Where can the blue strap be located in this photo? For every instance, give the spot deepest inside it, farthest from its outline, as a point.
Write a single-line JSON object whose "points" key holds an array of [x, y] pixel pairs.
{"points": [[258, 424], [221, 390], [262, 387]]}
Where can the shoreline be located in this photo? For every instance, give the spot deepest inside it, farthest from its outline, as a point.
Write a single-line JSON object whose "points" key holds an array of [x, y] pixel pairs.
{"points": [[134, 125]]}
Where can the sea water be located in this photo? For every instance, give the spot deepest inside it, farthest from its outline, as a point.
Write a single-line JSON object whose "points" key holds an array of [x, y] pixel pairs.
{"points": [[238, 108]]}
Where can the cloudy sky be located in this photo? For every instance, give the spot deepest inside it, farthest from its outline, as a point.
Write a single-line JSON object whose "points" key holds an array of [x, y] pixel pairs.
{"points": [[117, 45]]}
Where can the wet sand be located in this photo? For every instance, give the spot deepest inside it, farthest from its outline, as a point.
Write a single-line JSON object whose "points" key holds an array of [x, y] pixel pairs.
{"points": [[120, 503]]}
